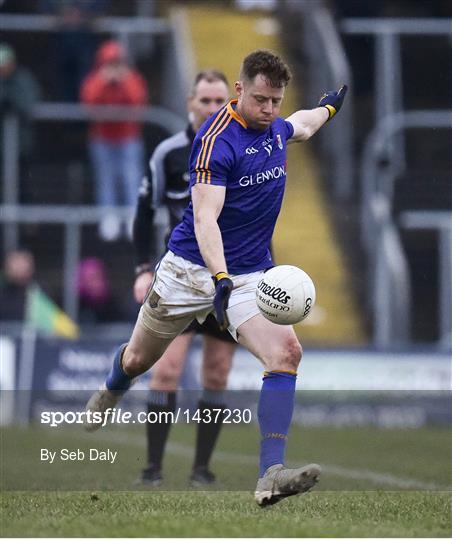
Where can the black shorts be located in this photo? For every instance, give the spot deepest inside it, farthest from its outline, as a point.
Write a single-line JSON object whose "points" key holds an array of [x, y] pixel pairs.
{"points": [[210, 328]]}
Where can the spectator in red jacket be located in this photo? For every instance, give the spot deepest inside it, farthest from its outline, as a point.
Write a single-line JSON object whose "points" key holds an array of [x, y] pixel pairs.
{"points": [[116, 148]]}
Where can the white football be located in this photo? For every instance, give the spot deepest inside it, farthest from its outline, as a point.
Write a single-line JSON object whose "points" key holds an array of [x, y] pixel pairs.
{"points": [[285, 294]]}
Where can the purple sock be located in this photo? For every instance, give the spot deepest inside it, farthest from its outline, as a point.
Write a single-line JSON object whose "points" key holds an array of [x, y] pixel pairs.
{"points": [[274, 412], [117, 379]]}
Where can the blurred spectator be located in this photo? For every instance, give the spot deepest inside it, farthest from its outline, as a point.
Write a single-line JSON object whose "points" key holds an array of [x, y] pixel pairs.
{"points": [[19, 91], [74, 43], [116, 148], [18, 274], [97, 304]]}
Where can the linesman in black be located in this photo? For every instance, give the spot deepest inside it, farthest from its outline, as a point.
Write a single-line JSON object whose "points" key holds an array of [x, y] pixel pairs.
{"points": [[168, 184]]}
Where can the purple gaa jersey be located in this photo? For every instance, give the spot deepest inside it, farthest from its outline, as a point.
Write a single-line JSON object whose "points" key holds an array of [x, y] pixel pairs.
{"points": [[251, 164]]}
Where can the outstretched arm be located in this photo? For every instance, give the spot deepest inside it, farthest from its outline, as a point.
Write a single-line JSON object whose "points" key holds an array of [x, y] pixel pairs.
{"points": [[308, 122]]}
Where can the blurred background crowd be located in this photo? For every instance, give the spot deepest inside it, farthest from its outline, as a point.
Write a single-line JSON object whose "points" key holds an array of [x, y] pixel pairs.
{"points": [[368, 209]]}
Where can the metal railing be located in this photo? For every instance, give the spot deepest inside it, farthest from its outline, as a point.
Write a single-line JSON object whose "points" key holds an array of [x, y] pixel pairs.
{"points": [[391, 282], [440, 221], [121, 27], [384, 159], [63, 112], [328, 70], [50, 23], [380, 178], [102, 24], [72, 218], [388, 85], [180, 62], [389, 276], [393, 25]]}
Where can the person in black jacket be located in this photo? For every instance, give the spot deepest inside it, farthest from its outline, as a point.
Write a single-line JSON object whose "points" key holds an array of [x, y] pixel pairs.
{"points": [[168, 185], [17, 276]]}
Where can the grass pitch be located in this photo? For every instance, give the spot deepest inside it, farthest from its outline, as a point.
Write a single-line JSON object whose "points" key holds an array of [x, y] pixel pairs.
{"points": [[223, 514], [376, 482]]}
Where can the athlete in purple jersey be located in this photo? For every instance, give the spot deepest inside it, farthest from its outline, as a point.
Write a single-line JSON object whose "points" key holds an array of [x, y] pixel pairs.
{"points": [[251, 165], [237, 183]]}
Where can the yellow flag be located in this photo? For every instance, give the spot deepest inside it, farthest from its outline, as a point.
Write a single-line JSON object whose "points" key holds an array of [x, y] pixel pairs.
{"points": [[43, 314]]}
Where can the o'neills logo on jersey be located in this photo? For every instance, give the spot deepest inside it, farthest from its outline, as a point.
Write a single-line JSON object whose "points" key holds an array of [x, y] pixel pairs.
{"points": [[264, 176], [274, 292]]}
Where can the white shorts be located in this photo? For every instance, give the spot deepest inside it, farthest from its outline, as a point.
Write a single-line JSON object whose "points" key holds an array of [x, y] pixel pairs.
{"points": [[183, 291]]}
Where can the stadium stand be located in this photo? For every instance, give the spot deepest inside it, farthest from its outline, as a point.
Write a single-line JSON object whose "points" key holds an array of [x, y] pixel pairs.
{"points": [[334, 219], [398, 55], [60, 173]]}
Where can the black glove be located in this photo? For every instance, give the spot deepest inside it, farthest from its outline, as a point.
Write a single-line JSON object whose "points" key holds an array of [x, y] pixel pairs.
{"points": [[332, 101], [223, 287]]}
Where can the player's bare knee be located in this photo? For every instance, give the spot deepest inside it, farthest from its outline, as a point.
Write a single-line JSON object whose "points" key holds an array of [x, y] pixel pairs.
{"points": [[216, 371], [165, 380], [293, 354], [166, 373], [134, 362], [289, 357], [216, 380]]}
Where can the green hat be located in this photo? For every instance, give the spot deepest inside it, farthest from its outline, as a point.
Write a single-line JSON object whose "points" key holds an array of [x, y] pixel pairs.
{"points": [[7, 55]]}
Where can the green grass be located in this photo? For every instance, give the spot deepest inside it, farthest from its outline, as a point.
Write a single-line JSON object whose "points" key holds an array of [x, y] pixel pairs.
{"points": [[223, 514], [360, 494]]}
